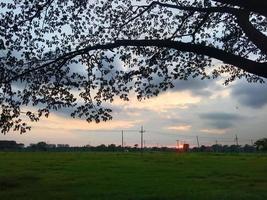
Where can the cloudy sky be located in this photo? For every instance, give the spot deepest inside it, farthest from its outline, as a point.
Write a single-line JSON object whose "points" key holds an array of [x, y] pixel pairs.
{"points": [[206, 109]]}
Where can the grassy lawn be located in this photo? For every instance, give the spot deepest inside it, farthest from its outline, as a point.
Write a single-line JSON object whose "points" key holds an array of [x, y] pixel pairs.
{"points": [[151, 176]]}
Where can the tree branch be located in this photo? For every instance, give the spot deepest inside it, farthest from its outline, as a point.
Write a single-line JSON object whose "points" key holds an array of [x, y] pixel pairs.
{"points": [[259, 6], [39, 9], [214, 9], [185, 8], [247, 65], [259, 39]]}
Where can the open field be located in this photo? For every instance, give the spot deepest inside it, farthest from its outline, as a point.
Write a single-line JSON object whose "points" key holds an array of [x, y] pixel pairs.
{"points": [[151, 176]]}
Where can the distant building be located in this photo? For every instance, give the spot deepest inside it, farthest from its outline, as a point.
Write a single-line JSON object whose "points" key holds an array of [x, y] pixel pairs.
{"points": [[51, 146], [63, 146], [20, 145], [186, 147], [6, 144]]}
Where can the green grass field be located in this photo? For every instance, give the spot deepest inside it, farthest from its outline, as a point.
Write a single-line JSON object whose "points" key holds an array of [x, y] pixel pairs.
{"points": [[133, 176]]}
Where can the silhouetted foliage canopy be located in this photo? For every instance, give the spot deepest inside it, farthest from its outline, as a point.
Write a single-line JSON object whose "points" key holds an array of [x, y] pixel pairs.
{"points": [[80, 53]]}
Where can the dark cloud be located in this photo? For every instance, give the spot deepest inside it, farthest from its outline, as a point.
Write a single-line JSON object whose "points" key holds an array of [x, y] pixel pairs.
{"points": [[196, 86], [64, 112], [221, 120], [251, 94], [221, 124], [220, 116]]}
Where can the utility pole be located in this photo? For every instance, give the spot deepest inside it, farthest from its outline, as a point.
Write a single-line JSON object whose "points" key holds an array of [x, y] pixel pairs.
{"points": [[251, 142], [142, 137], [177, 141], [197, 142], [216, 142], [236, 140], [122, 139]]}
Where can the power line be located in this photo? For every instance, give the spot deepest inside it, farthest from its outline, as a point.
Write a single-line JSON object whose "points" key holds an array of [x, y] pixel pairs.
{"points": [[142, 137], [191, 138], [122, 138], [113, 130], [236, 140], [197, 142]]}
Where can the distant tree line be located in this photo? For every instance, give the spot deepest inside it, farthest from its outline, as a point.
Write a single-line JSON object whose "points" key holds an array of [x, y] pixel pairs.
{"points": [[225, 148], [259, 146], [42, 146]]}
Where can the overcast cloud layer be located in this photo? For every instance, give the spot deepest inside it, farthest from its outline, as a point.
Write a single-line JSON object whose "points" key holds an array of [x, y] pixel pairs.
{"points": [[194, 107], [251, 95]]}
